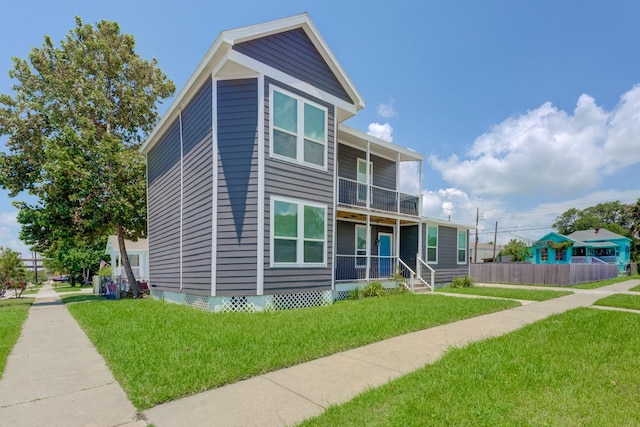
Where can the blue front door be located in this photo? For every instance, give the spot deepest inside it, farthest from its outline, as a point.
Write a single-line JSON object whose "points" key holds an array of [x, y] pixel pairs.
{"points": [[385, 254]]}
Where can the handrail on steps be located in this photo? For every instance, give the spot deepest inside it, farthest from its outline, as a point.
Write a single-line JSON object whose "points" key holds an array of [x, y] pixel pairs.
{"points": [[407, 268], [420, 263]]}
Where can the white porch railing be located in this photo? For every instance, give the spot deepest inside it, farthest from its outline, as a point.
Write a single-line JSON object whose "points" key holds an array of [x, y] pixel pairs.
{"points": [[594, 260], [354, 267], [407, 273], [119, 272], [355, 193], [420, 264]]}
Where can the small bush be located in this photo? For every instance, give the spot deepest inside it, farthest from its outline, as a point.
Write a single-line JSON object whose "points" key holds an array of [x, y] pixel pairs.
{"points": [[355, 293], [461, 282], [398, 290], [374, 289]]}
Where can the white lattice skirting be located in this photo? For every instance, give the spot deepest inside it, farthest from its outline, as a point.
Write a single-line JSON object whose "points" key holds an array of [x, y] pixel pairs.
{"points": [[249, 304]]}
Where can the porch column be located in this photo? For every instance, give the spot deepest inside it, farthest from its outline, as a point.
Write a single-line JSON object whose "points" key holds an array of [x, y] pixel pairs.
{"points": [[369, 183], [420, 191], [398, 183], [418, 263], [397, 244], [368, 255]]}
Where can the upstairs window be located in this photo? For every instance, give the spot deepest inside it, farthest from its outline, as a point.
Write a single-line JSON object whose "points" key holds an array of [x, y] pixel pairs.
{"points": [[298, 130]]}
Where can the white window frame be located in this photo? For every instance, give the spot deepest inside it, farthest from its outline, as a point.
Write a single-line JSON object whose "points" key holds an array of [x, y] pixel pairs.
{"points": [[300, 102], [300, 239], [436, 246], [368, 182], [359, 255], [466, 244]]}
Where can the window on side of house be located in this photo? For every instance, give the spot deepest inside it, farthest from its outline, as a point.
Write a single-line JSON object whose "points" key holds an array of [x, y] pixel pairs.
{"points": [[462, 246], [544, 254], [559, 254], [432, 243], [361, 246], [298, 129], [299, 233]]}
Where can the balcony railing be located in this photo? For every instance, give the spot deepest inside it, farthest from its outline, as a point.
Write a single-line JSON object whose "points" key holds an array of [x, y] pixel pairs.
{"points": [[354, 193]]}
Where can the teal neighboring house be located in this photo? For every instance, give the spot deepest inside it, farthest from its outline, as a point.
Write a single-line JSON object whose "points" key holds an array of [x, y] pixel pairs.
{"points": [[593, 246]]}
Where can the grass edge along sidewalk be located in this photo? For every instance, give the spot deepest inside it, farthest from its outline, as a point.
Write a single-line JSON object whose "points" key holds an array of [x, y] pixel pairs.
{"points": [[160, 352], [13, 313], [512, 293], [552, 372]]}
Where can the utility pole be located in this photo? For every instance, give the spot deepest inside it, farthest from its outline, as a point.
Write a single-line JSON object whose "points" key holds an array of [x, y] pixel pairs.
{"points": [[34, 256], [495, 239], [475, 250]]}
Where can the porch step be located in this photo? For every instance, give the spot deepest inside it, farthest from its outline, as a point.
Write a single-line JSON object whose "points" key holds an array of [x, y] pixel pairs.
{"points": [[421, 290]]}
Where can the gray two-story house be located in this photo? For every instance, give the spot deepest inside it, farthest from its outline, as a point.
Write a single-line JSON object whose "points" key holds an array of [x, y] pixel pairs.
{"points": [[259, 197]]}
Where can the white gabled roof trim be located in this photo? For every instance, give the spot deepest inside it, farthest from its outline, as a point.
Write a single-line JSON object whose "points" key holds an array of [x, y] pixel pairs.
{"points": [[444, 222], [220, 52]]}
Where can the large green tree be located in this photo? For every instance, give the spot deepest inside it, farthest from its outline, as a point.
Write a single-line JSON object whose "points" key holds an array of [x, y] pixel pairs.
{"points": [[75, 122], [613, 216], [517, 250]]}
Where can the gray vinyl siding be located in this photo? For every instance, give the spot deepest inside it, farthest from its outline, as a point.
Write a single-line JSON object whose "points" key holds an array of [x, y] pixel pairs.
{"points": [[164, 210], [293, 52], [409, 245], [237, 228], [287, 179], [346, 237], [384, 170], [447, 266], [197, 193]]}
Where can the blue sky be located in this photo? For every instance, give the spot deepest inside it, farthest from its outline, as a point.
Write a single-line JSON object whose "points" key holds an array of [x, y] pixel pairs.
{"points": [[522, 109]]}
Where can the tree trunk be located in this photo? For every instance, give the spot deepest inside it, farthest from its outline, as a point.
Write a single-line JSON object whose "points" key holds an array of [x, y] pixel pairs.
{"points": [[124, 259]]}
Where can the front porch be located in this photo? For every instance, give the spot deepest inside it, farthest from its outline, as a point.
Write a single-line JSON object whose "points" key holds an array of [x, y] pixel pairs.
{"points": [[371, 248]]}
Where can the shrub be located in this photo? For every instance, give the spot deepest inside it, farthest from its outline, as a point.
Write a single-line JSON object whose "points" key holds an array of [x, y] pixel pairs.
{"points": [[374, 289], [355, 293], [400, 289], [461, 282]]}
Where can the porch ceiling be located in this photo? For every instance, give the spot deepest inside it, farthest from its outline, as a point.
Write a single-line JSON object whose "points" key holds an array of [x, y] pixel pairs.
{"points": [[374, 219]]}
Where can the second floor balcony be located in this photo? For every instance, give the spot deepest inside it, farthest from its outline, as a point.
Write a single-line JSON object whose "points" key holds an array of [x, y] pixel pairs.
{"points": [[357, 194]]}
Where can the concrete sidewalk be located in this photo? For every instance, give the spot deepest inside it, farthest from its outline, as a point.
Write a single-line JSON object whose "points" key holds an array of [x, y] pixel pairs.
{"points": [[55, 377], [290, 395]]}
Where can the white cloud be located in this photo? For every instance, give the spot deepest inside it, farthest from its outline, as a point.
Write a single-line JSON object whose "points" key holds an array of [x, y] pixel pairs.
{"points": [[9, 230], [386, 110], [409, 177], [550, 150], [9, 219], [382, 131]]}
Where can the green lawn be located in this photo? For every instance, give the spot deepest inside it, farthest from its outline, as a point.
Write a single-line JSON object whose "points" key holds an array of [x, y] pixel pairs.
{"points": [[13, 313], [635, 288], [555, 372], [594, 285], [66, 287], [620, 300], [523, 294], [159, 352]]}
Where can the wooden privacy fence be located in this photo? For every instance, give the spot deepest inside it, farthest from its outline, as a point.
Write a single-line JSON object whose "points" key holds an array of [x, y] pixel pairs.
{"points": [[542, 274]]}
